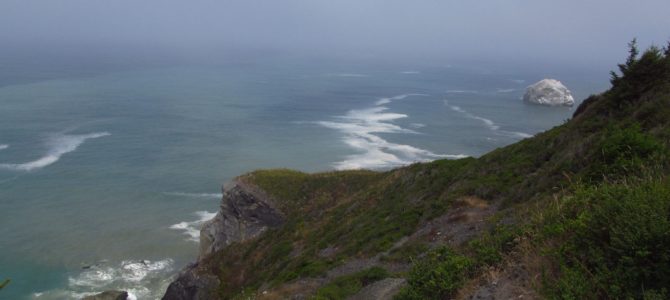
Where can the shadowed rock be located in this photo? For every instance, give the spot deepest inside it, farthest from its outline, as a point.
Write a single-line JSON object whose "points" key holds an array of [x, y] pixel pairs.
{"points": [[245, 213]]}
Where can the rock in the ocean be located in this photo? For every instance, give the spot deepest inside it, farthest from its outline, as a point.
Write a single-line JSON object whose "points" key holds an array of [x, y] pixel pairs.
{"points": [[108, 295], [193, 283], [549, 92]]}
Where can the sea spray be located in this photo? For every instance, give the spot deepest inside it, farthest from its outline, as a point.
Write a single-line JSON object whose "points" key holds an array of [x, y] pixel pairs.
{"points": [[192, 228], [142, 279]]}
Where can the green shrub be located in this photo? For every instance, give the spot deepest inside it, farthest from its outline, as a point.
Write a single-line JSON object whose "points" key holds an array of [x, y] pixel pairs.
{"points": [[625, 152], [345, 286], [490, 247], [617, 242], [438, 276]]}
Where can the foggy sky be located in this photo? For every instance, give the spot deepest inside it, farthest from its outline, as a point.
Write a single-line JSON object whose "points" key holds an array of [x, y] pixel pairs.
{"points": [[582, 31]]}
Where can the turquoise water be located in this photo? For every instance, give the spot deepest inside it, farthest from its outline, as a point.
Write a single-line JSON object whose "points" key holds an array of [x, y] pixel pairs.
{"points": [[105, 177]]}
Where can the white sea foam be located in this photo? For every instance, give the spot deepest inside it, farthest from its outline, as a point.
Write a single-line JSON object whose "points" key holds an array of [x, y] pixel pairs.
{"points": [[359, 128], [487, 122], [388, 100], [195, 195], [462, 92], [136, 271], [383, 101], [58, 145], [192, 228], [410, 72], [417, 125], [3, 146], [142, 279], [505, 90], [522, 135]]}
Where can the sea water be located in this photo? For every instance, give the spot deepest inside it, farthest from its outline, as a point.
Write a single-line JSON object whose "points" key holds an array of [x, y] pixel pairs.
{"points": [[106, 176]]}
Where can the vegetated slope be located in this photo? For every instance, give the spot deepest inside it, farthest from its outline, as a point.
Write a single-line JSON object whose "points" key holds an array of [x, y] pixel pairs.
{"points": [[579, 211]]}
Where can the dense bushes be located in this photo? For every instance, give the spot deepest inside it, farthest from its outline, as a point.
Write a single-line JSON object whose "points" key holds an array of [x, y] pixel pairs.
{"points": [[625, 152], [438, 276], [345, 286], [615, 242]]}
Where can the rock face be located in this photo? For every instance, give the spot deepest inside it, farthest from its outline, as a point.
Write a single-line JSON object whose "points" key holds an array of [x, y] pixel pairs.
{"points": [[245, 213], [549, 92], [193, 282], [108, 295]]}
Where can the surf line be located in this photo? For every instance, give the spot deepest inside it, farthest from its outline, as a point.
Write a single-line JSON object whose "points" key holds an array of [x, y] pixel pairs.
{"points": [[487, 122], [361, 129], [58, 145]]}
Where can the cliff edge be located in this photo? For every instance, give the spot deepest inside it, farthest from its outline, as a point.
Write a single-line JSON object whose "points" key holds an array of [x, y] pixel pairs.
{"points": [[245, 213]]}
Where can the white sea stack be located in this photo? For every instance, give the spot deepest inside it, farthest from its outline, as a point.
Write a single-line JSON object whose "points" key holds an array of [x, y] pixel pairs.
{"points": [[549, 92]]}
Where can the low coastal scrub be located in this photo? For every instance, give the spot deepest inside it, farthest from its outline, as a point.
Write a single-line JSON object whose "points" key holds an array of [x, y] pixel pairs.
{"points": [[345, 286], [437, 276], [614, 242], [588, 197]]}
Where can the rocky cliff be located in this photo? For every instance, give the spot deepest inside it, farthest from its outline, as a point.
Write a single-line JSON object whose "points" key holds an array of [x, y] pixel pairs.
{"points": [[245, 213]]}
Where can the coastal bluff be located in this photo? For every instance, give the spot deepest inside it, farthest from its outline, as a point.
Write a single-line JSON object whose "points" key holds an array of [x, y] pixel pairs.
{"points": [[245, 213]]}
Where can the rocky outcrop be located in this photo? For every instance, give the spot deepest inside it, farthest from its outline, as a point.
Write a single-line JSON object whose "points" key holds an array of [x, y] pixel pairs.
{"points": [[108, 295], [550, 92], [194, 282], [245, 213]]}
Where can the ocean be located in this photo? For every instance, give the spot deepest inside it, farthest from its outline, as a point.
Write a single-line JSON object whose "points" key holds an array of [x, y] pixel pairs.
{"points": [[106, 175]]}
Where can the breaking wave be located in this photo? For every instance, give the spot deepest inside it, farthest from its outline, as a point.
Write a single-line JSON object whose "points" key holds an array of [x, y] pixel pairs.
{"points": [[388, 100], [58, 145], [3, 146], [487, 122], [142, 279], [192, 228], [462, 92], [360, 128], [196, 195]]}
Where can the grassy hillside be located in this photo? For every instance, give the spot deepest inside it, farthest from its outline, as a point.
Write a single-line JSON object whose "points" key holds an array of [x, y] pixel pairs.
{"points": [[587, 202]]}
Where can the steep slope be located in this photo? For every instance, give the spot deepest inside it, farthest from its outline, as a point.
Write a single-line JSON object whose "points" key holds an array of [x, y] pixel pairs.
{"points": [[527, 219]]}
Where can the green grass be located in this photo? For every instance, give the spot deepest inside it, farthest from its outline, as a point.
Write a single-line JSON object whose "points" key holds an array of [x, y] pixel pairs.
{"points": [[615, 242], [438, 276], [345, 286]]}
